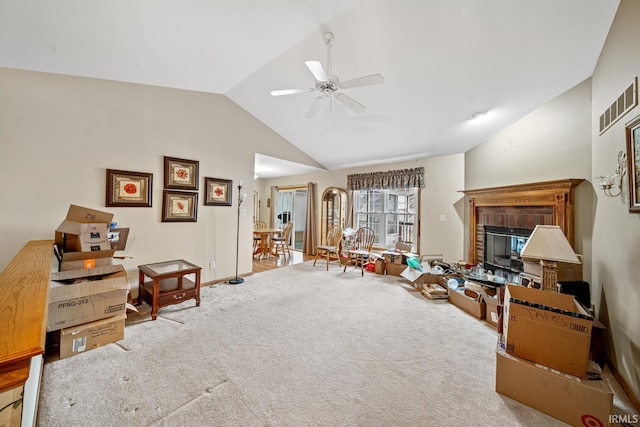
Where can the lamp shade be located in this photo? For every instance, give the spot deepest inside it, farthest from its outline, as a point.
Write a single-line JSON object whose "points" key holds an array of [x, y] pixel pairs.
{"points": [[548, 242]]}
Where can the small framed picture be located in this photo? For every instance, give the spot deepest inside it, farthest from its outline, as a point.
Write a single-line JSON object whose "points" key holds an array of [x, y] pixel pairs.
{"points": [[128, 189], [179, 206], [218, 191], [180, 174], [633, 163]]}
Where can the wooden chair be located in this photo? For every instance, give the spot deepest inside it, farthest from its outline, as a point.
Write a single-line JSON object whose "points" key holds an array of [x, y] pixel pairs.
{"points": [[363, 240], [281, 243], [257, 237], [334, 237]]}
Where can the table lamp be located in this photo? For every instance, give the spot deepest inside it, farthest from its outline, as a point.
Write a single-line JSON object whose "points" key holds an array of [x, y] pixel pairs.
{"points": [[548, 244]]}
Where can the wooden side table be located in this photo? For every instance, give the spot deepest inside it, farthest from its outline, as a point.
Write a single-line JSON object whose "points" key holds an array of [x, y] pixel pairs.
{"points": [[168, 284]]}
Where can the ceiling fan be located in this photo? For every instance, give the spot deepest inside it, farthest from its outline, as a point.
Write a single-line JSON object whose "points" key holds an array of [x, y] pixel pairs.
{"points": [[329, 84]]}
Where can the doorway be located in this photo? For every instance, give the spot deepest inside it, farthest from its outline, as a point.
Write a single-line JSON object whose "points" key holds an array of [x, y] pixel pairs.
{"points": [[291, 206]]}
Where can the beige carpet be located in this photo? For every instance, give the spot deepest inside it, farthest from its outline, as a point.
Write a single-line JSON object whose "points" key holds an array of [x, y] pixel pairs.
{"points": [[296, 346]]}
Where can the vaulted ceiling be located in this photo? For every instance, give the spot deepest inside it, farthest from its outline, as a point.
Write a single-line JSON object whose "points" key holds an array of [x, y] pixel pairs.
{"points": [[442, 62]]}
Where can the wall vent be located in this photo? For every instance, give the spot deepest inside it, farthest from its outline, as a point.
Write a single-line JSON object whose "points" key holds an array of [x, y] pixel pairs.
{"points": [[625, 102]]}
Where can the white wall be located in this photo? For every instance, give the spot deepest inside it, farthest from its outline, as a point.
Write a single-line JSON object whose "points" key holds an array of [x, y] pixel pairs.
{"points": [[552, 142], [616, 232], [59, 134], [444, 178]]}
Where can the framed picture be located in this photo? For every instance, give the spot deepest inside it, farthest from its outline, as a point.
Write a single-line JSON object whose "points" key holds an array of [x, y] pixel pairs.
{"points": [[218, 192], [179, 206], [180, 174], [633, 163], [129, 189]]}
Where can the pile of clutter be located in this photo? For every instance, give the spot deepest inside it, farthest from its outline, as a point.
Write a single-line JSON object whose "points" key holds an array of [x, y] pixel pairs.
{"points": [[88, 294]]}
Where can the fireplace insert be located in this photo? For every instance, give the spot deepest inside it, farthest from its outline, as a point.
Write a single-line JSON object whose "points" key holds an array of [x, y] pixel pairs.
{"points": [[502, 246]]}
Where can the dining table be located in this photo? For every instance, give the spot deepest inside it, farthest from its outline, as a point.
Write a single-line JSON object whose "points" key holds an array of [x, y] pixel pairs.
{"points": [[266, 237]]}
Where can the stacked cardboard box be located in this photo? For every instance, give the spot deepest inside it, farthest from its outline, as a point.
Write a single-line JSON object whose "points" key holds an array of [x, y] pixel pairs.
{"points": [[88, 295], [395, 260], [576, 401], [543, 357], [548, 328]]}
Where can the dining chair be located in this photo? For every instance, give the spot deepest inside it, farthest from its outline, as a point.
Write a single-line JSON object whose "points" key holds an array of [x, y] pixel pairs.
{"points": [[360, 254], [280, 244], [257, 237], [334, 237]]}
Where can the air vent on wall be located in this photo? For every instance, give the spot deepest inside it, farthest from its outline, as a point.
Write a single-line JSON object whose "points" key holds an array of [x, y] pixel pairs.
{"points": [[625, 102]]}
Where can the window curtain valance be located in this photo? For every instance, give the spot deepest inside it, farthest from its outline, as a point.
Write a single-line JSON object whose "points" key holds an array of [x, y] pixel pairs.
{"points": [[389, 180]]}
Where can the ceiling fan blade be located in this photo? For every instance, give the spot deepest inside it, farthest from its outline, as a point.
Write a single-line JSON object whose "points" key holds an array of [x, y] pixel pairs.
{"points": [[289, 91], [373, 79], [350, 102], [314, 108], [317, 70]]}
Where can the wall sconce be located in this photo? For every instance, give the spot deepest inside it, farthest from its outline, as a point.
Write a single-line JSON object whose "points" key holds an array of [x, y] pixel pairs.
{"points": [[609, 182]]}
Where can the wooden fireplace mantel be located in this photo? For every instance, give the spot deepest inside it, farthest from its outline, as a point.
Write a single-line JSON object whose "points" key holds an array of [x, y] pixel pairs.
{"points": [[556, 195]]}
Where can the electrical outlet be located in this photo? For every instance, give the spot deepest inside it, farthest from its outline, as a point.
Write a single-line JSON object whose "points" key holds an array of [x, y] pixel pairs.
{"points": [[442, 218], [212, 265]]}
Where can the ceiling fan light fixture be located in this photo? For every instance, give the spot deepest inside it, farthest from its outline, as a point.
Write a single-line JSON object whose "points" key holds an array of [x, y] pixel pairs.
{"points": [[329, 84]]}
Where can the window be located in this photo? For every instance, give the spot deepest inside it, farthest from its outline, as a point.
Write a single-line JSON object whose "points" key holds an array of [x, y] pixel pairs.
{"points": [[392, 214]]}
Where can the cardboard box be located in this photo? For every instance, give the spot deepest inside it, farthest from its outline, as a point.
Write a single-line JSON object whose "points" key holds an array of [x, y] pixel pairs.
{"points": [[85, 260], [434, 291], [118, 238], [573, 400], [471, 306], [417, 277], [491, 313], [393, 258], [101, 294], [80, 338], [394, 269], [567, 272], [548, 328], [67, 235], [398, 255], [379, 266], [93, 237]]}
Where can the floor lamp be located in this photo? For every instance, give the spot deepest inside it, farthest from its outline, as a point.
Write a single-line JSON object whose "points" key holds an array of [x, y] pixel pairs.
{"points": [[241, 196]]}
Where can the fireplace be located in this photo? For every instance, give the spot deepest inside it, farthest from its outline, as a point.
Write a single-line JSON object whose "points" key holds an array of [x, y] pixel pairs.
{"points": [[519, 207]]}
